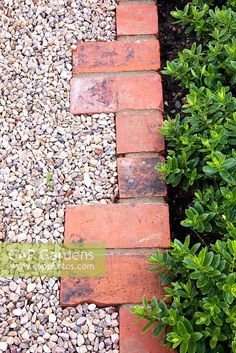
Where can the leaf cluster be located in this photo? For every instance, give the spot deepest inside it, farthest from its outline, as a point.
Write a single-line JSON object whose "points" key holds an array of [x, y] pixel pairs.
{"points": [[202, 315], [202, 139]]}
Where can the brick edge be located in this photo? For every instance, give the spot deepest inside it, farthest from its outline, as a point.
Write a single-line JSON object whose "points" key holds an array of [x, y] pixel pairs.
{"points": [[150, 347]]}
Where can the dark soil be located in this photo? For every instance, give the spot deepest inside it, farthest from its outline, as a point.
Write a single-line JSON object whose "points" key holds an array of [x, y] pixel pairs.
{"points": [[172, 40]]}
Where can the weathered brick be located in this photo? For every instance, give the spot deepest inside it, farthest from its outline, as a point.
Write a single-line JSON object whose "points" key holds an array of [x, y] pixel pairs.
{"points": [[126, 280], [131, 338], [111, 93], [119, 225], [137, 177], [134, 19], [139, 132], [91, 57]]}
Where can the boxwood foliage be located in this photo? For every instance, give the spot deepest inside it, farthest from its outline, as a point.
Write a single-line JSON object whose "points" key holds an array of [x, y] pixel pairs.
{"points": [[202, 140], [202, 315], [198, 313]]}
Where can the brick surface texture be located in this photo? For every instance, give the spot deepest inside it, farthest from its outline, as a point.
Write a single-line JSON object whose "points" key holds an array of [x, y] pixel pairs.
{"points": [[147, 138], [122, 77], [116, 56], [111, 93], [127, 279], [126, 226], [138, 177], [135, 19]]}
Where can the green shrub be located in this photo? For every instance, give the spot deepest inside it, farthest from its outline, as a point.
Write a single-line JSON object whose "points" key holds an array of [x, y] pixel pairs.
{"points": [[202, 316], [201, 140]]}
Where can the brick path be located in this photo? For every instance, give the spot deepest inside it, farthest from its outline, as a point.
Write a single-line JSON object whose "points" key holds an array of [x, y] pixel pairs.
{"points": [[122, 77]]}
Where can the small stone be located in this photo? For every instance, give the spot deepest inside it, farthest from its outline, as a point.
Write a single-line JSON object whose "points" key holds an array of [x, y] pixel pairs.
{"points": [[108, 320], [81, 321], [29, 296], [37, 213], [87, 180], [73, 334], [46, 336], [83, 349], [91, 337], [101, 345], [66, 187], [91, 307], [97, 139], [107, 332], [17, 312], [3, 346], [22, 237], [65, 336], [177, 104], [51, 283], [80, 340], [54, 338], [85, 328], [115, 338], [24, 320], [12, 286], [10, 341], [52, 318], [31, 287], [46, 349], [114, 323], [25, 336]]}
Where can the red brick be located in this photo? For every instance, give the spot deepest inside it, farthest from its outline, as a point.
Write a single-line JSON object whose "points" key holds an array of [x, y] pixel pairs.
{"points": [[131, 338], [127, 280], [119, 225], [134, 19], [137, 177], [139, 132], [116, 56], [111, 93]]}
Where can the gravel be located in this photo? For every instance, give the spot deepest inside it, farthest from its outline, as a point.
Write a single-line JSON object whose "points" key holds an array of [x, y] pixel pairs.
{"points": [[49, 159], [35, 322]]}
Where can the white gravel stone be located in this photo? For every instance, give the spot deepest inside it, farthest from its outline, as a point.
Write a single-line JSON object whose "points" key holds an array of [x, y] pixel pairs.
{"points": [[3, 346], [81, 321], [91, 337], [17, 312], [83, 349], [25, 336], [80, 340], [52, 318], [37, 212], [12, 286], [24, 320], [91, 307], [46, 349], [115, 338], [31, 287], [87, 180]]}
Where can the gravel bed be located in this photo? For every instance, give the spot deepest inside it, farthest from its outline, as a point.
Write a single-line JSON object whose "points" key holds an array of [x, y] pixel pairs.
{"points": [[49, 159], [31, 320]]}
